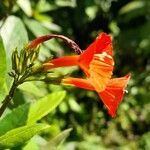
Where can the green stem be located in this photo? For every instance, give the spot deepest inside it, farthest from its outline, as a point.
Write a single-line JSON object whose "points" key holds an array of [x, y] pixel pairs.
{"points": [[9, 96]]}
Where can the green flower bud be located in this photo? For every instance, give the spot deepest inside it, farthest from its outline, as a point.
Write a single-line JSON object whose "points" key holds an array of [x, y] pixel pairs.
{"points": [[15, 61], [37, 69], [34, 55]]}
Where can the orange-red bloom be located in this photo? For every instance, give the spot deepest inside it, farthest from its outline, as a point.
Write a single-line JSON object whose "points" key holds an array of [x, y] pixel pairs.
{"points": [[111, 96], [97, 63]]}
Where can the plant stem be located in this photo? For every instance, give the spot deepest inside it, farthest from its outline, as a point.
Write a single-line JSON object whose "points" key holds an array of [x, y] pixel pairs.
{"points": [[9, 96]]}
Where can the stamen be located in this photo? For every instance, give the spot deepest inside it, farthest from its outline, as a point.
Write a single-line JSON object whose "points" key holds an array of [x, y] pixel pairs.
{"points": [[102, 56]]}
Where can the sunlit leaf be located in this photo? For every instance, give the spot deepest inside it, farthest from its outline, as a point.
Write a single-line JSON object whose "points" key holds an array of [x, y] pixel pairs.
{"points": [[144, 141], [14, 35], [45, 105], [27, 86], [46, 21], [3, 68], [62, 3], [38, 29], [44, 6], [74, 105], [31, 145], [91, 12], [20, 135], [25, 5], [131, 6]]}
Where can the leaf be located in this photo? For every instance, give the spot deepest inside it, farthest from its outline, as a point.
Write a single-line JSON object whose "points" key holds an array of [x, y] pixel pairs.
{"points": [[25, 5], [27, 86], [44, 106], [56, 141], [45, 6], [38, 29], [66, 3], [20, 135], [133, 10], [14, 35], [14, 119], [144, 141], [3, 68], [31, 145], [131, 6]]}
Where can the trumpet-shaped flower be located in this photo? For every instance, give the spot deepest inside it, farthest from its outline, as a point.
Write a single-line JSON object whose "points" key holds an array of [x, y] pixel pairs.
{"points": [[97, 64], [111, 96]]}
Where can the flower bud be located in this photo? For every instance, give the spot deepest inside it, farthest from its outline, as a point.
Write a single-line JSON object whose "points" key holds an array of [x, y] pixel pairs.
{"points": [[15, 61], [38, 68], [23, 61], [34, 55]]}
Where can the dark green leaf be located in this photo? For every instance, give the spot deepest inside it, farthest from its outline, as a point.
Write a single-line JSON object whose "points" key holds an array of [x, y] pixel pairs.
{"points": [[14, 119]]}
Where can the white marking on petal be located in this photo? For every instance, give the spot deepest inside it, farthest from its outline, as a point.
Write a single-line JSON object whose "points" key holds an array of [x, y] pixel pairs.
{"points": [[103, 55]]}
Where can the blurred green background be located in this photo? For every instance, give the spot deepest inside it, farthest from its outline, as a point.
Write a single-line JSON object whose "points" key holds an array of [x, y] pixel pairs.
{"points": [[128, 22]]}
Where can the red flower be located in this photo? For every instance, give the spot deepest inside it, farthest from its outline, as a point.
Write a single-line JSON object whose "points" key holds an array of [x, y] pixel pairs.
{"points": [[97, 63], [111, 96]]}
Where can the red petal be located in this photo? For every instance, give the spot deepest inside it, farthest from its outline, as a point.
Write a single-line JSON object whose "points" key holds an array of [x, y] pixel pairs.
{"points": [[113, 94], [102, 43], [81, 83], [65, 61], [100, 71]]}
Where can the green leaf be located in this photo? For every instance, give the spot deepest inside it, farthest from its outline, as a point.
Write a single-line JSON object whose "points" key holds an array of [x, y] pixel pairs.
{"points": [[31, 145], [45, 6], [3, 68], [14, 35], [144, 141], [27, 86], [38, 29], [131, 6], [14, 119], [20, 135], [44, 106], [25, 5], [56, 141]]}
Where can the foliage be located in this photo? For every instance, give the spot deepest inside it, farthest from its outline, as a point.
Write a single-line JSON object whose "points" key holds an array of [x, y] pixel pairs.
{"points": [[128, 22]]}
